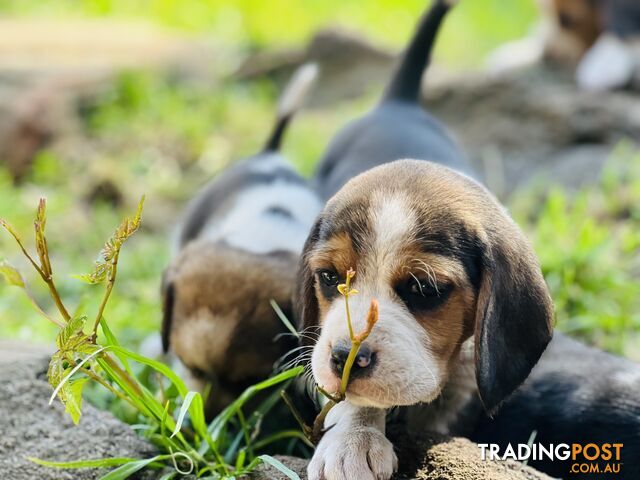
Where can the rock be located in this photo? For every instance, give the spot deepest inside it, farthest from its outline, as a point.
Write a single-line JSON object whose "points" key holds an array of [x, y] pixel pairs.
{"points": [[435, 457], [32, 428]]}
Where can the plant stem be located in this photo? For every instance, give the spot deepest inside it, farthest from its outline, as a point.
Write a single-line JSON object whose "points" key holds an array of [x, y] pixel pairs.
{"points": [[245, 432], [108, 386], [346, 373], [56, 298], [318, 423], [123, 375], [107, 293], [296, 414]]}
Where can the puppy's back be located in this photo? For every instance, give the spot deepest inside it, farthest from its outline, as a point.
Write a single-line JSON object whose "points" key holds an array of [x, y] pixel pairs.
{"points": [[398, 127]]}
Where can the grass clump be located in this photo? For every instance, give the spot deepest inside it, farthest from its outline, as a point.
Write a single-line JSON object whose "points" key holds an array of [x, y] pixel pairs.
{"points": [[174, 419]]}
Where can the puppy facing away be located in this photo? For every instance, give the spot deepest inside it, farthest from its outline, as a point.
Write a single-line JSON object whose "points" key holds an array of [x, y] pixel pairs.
{"points": [[464, 312], [398, 127], [239, 246]]}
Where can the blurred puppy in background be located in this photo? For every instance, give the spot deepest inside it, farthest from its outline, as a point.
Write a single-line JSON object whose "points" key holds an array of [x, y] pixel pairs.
{"points": [[599, 38], [239, 245]]}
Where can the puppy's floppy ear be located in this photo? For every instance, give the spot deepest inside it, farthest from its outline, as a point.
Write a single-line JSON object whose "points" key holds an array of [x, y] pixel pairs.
{"points": [[168, 298], [305, 303], [513, 316]]}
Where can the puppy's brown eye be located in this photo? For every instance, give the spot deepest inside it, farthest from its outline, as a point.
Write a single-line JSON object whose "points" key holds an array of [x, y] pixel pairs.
{"points": [[328, 281], [423, 287], [422, 294], [329, 278]]}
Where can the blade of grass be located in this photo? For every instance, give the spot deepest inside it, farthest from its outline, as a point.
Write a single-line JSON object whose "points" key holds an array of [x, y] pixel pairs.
{"points": [[277, 464], [186, 403], [99, 463], [128, 469], [283, 318]]}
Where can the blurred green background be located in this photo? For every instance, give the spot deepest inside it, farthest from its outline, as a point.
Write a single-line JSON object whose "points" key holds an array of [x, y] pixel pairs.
{"points": [[476, 28], [151, 134]]}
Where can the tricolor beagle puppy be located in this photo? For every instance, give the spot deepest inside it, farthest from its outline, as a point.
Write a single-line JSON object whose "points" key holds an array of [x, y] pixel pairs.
{"points": [[601, 36], [238, 249], [464, 312]]}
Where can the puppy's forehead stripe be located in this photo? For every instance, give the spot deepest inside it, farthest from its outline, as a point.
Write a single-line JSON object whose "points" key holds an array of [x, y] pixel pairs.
{"points": [[392, 220]]}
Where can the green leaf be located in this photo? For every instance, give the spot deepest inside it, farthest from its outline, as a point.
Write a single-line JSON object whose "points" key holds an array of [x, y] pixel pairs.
{"points": [[71, 398], [168, 476], [73, 328], [11, 274], [128, 469], [279, 466], [73, 394], [184, 408], [99, 463]]}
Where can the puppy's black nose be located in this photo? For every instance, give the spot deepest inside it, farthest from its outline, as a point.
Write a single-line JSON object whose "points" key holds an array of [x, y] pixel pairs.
{"points": [[363, 363]]}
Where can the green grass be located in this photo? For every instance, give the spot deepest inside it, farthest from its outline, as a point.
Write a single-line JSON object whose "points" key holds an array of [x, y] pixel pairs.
{"points": [[588, 244], [475, 26]]}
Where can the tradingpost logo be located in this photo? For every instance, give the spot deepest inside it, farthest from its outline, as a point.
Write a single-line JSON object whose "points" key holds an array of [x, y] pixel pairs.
{"points": [[584, 458]]}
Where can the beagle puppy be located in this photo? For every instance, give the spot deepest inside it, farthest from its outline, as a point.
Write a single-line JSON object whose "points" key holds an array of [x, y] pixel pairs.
{"points": [[239, 245], [601, 37], [441, 256], [464, 311]]}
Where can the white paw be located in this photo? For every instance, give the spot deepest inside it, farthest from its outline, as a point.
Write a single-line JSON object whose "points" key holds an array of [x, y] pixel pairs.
{"points": [[360, 453]]}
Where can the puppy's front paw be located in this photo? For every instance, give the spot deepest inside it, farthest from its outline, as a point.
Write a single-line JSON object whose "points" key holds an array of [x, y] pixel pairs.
{"points": [[361, 453]]}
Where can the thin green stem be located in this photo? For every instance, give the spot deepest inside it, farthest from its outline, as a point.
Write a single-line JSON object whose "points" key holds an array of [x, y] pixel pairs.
{"points": [[245, 432], [346, 303], [56, 298], [122, 374], [318, 424], [111, 282], [346, 373], [296, 414], [327, 394]]}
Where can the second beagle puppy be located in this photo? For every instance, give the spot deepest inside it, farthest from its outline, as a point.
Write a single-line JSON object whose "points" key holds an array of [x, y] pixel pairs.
{"points": [[239, 247], [458, 285], [601, 36]]}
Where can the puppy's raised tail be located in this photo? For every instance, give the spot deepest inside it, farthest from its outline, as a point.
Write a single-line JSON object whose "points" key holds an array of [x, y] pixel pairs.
{"points": [[405, 84], [290, 102]]}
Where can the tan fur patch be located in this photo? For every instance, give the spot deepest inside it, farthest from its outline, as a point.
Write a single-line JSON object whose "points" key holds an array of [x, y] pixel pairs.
{"points": [[222, 310]]}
